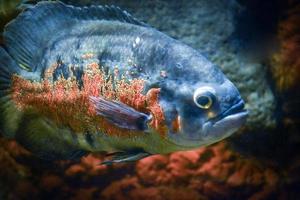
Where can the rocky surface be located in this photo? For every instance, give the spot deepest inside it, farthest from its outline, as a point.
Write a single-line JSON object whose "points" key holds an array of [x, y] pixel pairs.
{"points": [[215, 172]]}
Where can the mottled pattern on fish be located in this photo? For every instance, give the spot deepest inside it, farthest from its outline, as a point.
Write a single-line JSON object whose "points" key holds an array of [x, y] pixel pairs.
{"points": [[68, 103]]}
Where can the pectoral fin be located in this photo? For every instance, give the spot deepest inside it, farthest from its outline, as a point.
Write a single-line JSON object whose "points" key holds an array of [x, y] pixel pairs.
{"points": [[131, 156], [120, 114]]}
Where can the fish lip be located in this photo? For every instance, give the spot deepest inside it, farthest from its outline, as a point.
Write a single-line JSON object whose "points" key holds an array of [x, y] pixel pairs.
{"points": [[237, 108], [235, 117], [235, 120]]}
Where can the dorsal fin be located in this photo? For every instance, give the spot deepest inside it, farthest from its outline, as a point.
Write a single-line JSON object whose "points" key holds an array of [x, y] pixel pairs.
{"points": [[36, 26]]}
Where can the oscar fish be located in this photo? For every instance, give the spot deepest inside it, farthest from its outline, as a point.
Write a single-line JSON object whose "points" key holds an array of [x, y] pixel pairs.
{"points": [[75, 80]]}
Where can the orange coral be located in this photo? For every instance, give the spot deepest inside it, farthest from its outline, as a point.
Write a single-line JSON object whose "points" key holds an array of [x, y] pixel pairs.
{"points": [[68, 105]]}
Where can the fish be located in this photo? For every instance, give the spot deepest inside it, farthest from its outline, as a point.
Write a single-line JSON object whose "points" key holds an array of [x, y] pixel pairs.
{"points": [[75, 80]]}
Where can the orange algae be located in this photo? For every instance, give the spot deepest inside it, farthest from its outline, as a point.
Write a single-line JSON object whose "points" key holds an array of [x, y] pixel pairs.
{"points": [[69, 105]]}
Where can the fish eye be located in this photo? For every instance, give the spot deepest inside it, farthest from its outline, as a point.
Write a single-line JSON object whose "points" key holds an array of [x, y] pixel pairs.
{"points": [[204, 102], [204, 97]]}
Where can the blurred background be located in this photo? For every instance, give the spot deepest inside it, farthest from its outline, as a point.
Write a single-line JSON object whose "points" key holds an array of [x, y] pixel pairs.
{"points": [[257, 45]]}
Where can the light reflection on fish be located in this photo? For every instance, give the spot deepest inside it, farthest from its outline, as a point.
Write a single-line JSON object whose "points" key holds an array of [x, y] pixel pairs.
{"points": [[77, 80]]}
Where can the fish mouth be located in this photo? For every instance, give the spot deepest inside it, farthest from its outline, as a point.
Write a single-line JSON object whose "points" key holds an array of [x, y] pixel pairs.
{"points": [[237, 109], [227, 122], [215, 129]]}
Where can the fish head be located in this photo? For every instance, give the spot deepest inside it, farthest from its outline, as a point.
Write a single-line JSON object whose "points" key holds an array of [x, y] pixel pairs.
{"points": [[202, 103]]}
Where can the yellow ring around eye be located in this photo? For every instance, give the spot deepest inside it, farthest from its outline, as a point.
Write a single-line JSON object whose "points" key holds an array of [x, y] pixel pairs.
{"points": [[203, 101]]}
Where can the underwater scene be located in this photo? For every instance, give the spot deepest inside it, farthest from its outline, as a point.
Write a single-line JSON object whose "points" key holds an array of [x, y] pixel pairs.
{"points": [[152, 99]]}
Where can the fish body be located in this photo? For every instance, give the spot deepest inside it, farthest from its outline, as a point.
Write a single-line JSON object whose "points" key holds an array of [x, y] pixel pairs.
{"points": [[93, 79]]}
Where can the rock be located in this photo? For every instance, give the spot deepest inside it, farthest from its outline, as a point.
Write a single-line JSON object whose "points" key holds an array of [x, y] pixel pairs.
{"points": [[50, 182], [85, 193], [149, 193], [75, 169], [223, 174], [152, 170], [119, 190], [23, 189]]}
